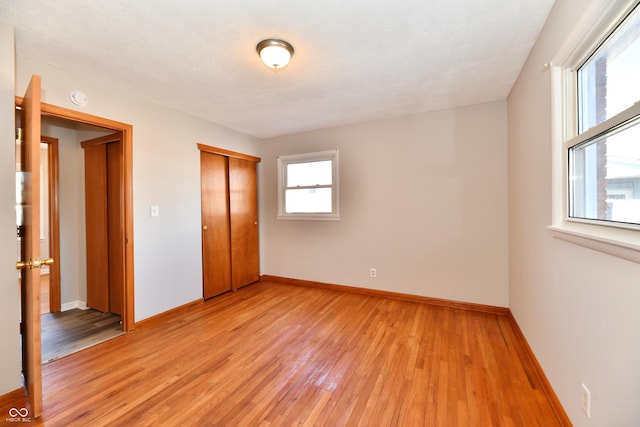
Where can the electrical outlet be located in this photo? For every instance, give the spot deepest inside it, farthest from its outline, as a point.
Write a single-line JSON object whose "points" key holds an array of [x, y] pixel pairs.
{"points": [[372, 272], [586, 401]]}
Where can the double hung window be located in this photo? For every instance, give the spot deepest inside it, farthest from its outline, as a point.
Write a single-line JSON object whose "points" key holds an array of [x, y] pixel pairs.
{"points": [[308, 186], [596, 131], [604, 153]]}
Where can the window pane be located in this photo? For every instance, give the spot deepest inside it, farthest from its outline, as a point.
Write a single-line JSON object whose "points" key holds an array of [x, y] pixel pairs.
{"points": [[605, 177], [309, 174], [608, 82], [308, 200]]}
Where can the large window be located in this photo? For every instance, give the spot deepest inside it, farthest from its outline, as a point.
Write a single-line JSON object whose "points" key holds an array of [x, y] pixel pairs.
{"points": [[596, 130], [604, 145], [308, 186]]}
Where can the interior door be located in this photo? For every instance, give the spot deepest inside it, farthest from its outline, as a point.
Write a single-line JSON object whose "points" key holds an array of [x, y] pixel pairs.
{"points": [[243, 207], [104, 223], [30, 246], [96, 226], [216, 254]]}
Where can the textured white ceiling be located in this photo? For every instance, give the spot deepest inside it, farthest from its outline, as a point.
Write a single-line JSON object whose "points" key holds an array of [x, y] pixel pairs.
{"points": [[354, 61]]}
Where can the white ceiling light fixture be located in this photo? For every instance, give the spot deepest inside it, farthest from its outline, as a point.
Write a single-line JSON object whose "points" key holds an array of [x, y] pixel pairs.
{"points": [[275, 53]]}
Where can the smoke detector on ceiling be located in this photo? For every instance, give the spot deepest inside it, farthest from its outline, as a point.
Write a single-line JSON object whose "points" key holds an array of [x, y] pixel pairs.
{"points": [[78, 98]]}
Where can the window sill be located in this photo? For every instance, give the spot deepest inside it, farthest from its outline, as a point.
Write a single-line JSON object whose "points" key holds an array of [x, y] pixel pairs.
{"points": [[621, 243], [308, 217]]}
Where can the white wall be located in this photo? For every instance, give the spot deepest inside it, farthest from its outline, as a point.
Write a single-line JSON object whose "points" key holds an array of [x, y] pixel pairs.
{"points": [[166, 172], [9, 297], [423, 199], [578, 308], [73, 261]]}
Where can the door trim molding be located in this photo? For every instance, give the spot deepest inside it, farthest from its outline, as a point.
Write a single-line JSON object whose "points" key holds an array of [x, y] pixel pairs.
{"points": [[228, 153], [54, 223], [102, 140], [128, 314]]}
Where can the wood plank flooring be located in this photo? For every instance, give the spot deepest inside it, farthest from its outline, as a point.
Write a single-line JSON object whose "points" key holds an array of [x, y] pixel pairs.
{"points": [[73, 330], [282, 355]]}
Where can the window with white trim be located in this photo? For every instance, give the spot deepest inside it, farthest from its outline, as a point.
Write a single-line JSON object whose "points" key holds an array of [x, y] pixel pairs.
{"points": [[604, 154], [308, 186], [596, 131]]}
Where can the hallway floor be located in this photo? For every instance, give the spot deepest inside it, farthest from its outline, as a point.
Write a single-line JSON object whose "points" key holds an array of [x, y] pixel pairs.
{"points": [[73, 330]]}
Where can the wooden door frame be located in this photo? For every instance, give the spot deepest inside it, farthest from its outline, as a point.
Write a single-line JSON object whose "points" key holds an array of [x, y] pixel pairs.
{"points": [[126, 186], [53, 180]]}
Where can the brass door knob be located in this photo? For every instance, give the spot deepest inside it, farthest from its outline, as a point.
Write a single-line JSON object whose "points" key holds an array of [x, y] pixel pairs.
{"points": [[21, 265], [33, 264]]}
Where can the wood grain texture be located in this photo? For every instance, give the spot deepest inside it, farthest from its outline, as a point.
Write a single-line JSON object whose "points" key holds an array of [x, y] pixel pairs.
{"points": [[160, 317], [546, 386], [30, 245], [216, 232], [387, 294], [53, 292], [227, 153], [105, 223], [44, 292], [102, 140], [243, 211], [115, 219], [69, 331], [282, 355], [97, 241]]}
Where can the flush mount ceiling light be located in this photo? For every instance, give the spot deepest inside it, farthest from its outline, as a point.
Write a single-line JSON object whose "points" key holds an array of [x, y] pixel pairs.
{"points": [[275, 53]]}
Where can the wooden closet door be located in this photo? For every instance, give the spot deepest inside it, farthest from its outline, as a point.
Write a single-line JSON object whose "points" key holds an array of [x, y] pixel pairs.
{"points": [[95, 163], [104, 223], [243, 207], [216, 252]]}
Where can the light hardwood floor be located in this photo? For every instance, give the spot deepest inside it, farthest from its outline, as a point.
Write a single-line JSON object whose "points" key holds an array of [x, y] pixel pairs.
{"points": [[277, 354]]}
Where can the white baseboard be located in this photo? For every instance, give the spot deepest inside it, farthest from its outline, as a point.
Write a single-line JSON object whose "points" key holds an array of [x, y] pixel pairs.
{"points": [[82, 305]]}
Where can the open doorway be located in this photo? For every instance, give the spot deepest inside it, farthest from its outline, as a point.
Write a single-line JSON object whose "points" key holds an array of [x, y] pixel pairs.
{"points": [[70, 321]]}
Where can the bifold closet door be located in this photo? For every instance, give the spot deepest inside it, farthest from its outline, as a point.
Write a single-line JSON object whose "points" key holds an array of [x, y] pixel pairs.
{"points": [[216, 240], [243, 209]]}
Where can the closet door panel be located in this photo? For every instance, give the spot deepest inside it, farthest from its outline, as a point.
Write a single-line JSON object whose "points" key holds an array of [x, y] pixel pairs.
{"points": [[243, 207], [95, 161], [216, 252]]}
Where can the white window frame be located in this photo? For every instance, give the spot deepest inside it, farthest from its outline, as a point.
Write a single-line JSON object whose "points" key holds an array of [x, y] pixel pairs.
{"points": [[598, 21], [283, 161]]}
